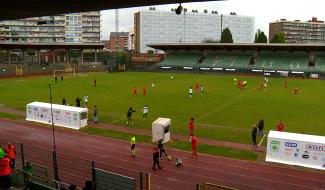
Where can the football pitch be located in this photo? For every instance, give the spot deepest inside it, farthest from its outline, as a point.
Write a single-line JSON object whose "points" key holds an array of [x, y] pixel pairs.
{"points": [[222, 112]]}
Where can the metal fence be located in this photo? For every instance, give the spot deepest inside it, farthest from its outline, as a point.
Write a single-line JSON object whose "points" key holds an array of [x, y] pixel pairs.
{"points": [[70, 169]]}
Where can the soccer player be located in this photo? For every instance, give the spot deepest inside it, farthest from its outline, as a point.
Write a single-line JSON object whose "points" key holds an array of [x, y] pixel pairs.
{"points": [[201, 89], [153, 85], [145, 111], [280, 126], [172, 77], [286, 83], [194, 141], [86, 100], [135, 91], [133, 147], [144, 91], [196, 87], [235, 81], [129, 116], [245, 83], [191, 92], [266, 81], [191, 126], [95, 82], [261, 85], [296, 90]]}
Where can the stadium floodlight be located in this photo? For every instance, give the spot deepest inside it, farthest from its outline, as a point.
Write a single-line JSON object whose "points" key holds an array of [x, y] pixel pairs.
{"points": [[179, 9]]}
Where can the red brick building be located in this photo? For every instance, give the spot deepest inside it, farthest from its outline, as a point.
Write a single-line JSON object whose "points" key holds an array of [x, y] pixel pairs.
{"points": [[118, 41]]}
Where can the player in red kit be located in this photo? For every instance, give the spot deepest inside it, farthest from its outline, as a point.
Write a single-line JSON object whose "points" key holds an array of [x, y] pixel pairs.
{"points": [[286, 83], [194, 141], [135, 91], [191, 126], [144, 91], [196, 87], [280, 126]]}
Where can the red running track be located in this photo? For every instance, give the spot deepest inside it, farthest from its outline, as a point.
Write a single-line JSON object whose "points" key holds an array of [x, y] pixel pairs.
{"points": [[228, 172]]}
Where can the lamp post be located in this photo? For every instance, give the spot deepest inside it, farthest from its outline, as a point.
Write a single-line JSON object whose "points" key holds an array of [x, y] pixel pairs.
{"points": [[56, 175]]}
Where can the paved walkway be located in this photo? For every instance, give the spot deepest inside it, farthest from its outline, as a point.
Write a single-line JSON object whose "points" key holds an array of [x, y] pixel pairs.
{"points": [[138, 131]]}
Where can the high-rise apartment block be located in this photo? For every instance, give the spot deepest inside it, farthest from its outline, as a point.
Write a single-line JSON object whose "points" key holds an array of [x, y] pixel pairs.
{"points": [[312, 31], [74, 27], [190, 27]]}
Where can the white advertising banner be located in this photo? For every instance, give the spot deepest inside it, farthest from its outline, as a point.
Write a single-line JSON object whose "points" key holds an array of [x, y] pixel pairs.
{"points": [[296, 149], [64, 116]]}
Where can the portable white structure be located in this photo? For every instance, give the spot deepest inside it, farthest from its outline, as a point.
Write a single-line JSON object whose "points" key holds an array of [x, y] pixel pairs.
{"points": [[296, 149], [161, 129], [64, 116]]}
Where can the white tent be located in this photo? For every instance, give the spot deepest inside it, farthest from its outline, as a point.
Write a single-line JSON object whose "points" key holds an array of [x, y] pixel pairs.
{"points": [[64, 116], [161, 129]]}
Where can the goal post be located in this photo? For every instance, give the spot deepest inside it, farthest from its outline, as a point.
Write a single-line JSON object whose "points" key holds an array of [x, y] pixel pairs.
{"points": [[19, 70], [68, 70], [64, 72]]}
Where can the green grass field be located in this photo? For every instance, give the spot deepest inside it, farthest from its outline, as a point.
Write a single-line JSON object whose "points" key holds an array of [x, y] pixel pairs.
{"points": [[224, 112]]}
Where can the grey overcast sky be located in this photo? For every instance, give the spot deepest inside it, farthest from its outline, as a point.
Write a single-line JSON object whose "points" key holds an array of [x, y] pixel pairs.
{"points": [[264, 12]]}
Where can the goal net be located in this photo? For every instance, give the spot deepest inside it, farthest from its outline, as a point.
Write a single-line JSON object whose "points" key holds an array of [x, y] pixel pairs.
{"points": [[67, 71]]}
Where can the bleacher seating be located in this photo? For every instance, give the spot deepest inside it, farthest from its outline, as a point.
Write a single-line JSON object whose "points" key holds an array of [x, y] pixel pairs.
{"points": [[181, 59], [281, 61], [226, 60], [278, 61]]}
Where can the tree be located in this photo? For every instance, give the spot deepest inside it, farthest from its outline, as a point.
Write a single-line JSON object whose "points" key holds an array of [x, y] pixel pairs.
{"points": [[226, 36], [260, 37], [278, 38]]}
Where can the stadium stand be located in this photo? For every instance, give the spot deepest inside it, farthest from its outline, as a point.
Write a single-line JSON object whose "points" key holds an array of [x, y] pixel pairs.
{"points": [[282, 61], [226, 60], [181, 58]]}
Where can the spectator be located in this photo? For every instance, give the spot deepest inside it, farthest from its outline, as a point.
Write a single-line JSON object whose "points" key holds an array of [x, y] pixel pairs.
{"points": [[161, 149], [72, 187], [78, 100], [260, 128], [5, 172], [254, 133], [64, 102], [28, 171], [89, 185], [280, 126], [11, 154], [155, 157], [95, 114]]}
